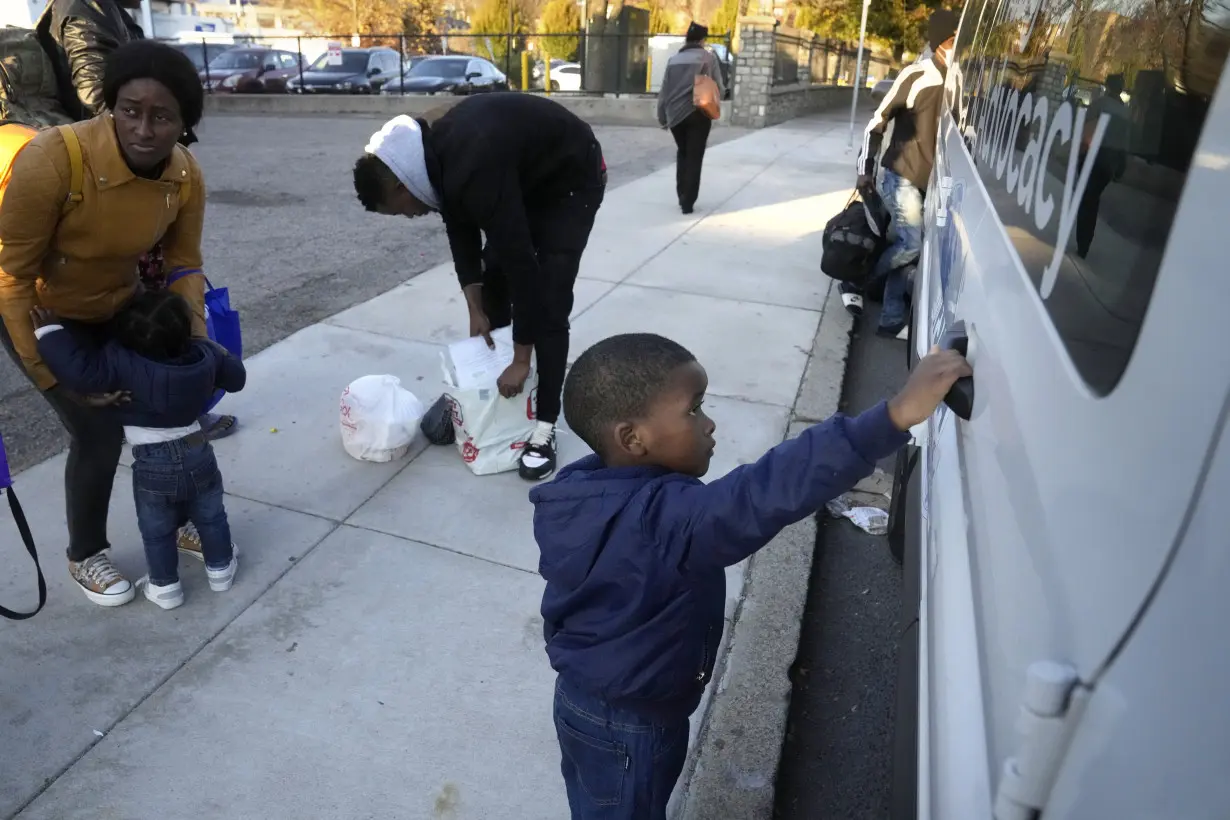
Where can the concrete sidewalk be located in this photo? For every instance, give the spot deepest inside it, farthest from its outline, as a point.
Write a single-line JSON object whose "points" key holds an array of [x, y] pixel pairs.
{"points": [[380, 655]]}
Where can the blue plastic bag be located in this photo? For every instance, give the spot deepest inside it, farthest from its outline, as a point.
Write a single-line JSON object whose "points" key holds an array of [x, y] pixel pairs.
{"points": [[222, 325], [6, 480]]}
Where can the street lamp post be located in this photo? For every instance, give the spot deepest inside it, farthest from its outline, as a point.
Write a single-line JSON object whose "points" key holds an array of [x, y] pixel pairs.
{"points": [[858, 72]]}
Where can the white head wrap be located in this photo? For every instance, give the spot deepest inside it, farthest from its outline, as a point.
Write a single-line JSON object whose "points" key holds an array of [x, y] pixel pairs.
{"points": [[399, 145]]}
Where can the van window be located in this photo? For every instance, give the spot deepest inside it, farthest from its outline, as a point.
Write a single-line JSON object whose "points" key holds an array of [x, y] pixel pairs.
{"points": [[1082, 120]]}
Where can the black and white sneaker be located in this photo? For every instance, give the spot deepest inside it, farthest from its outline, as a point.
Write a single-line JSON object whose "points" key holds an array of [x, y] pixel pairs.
{"points": [[538, 457], [853, 303]]}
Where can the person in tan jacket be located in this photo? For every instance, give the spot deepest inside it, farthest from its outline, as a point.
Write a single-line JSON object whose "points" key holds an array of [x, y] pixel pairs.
{"points": [[75, 254]]}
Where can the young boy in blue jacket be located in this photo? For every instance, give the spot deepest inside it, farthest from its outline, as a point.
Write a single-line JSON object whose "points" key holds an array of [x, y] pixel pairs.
{"points": [[634, 549], [168, 378]]}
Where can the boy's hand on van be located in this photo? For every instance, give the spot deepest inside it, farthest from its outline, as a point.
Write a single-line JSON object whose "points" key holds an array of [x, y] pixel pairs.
{"points": [[929, 382]]}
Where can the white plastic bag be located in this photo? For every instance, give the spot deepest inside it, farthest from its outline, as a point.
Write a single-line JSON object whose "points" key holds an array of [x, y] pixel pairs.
{"points": [[492, 430], [379, 418]]}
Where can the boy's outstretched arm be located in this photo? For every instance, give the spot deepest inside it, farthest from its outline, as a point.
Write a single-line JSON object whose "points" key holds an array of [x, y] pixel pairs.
{"points": [[720, 524]]}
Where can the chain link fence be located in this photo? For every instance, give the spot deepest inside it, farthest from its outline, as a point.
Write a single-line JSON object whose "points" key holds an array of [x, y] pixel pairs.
{"points": [[820, 61]]}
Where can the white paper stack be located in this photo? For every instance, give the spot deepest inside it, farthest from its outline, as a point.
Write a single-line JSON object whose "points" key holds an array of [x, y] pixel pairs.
{"points": [[470, 364]]}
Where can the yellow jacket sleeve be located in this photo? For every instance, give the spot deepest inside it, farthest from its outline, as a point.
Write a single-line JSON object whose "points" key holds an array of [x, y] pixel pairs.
{"points": [[30, 213]]}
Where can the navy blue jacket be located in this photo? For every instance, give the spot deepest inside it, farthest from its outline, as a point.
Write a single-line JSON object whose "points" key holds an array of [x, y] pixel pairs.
{"points": [[164, 394], [634, 557]]}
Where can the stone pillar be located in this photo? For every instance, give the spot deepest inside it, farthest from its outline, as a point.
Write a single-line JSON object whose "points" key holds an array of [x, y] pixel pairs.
{"points": [[753, 72]]}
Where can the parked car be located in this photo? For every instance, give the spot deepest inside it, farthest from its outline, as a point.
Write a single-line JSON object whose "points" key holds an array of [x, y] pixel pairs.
{"points": [[251, 70], [361, 71], [567, 77], [1063, 518], [725, 62], [538, 73], [449, 75], [201, 53]]}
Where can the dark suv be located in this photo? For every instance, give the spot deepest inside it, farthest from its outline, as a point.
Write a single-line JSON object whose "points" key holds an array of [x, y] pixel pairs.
{"points": [[348, 71]]}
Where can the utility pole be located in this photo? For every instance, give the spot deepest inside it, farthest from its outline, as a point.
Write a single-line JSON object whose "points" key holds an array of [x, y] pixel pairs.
{"points": [[858, 73]]}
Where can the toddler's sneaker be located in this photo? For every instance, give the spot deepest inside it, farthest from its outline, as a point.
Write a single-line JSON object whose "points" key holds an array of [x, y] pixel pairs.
{"points": [[167, 597], [220, 580]]}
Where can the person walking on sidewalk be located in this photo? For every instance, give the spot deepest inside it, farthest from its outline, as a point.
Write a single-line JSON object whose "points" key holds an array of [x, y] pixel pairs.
{"points": [[81, 263], [912, 105], [634, 549], [677, 111], [529, 174]]}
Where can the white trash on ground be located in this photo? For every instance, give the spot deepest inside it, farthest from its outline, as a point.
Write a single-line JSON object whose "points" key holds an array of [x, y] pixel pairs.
{"points": [[490, 430], [379, 418], [867, 504]]}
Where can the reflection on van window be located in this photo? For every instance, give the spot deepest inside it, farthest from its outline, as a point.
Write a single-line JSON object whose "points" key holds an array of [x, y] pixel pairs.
{"points": [[1082, 119]]}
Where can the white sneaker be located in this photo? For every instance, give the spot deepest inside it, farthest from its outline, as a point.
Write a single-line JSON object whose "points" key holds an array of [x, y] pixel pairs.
{"points": [[853, 303], [101, 582], [220, 580], [167, 597]]}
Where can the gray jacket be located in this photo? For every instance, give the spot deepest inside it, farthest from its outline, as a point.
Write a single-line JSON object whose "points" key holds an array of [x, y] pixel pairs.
{"points": [[675, 96]]}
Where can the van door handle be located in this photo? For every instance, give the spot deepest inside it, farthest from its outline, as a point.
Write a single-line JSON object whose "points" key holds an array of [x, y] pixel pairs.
{"points": [[960, 397]]}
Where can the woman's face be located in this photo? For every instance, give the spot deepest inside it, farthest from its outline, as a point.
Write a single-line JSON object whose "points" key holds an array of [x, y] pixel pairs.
{"points": [[148, 123]]}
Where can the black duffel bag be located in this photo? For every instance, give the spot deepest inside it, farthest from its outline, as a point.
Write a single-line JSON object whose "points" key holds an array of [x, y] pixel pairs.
{"points": [[855, 238]]}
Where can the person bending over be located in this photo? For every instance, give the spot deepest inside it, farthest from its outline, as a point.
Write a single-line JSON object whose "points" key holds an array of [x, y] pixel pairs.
{"points": [[527, 173]]}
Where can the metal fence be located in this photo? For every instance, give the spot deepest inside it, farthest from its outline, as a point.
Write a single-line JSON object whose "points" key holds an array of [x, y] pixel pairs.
{"points": [[800, 60], [567, 62]]}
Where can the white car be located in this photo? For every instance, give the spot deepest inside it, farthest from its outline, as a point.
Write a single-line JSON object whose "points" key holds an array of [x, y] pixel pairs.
{"points": [[566, 77], [1064, 519]]}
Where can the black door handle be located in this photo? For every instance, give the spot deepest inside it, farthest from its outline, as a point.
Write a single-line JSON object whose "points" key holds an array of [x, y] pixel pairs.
{"points": [[960, 398]]}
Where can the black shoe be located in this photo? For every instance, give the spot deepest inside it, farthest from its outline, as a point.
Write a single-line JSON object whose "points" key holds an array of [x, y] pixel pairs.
{"points": [[687, 209], [538, 456]]}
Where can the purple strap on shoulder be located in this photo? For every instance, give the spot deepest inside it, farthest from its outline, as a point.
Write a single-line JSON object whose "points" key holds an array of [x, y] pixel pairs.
{"points": [[6, 480]]}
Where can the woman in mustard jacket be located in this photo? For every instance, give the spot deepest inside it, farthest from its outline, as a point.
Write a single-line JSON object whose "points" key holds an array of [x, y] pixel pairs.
{"points": [[76, 253]]}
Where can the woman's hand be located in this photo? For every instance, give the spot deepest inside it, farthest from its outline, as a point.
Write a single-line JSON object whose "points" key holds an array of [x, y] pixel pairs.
{"points": [[96, 400], [42, 317]]}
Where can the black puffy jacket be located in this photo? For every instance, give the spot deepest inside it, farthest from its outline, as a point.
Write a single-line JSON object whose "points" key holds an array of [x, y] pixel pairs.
{"points": [[78, 35]]}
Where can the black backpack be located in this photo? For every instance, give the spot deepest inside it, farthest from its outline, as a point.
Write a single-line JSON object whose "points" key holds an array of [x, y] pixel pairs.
{"points": [[23, 528], [855, 238]]}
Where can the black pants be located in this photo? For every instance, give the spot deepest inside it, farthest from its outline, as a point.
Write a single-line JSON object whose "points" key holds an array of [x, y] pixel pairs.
{"points": [[1107, 167], [691, 136], [560, 232], [95, 442]]}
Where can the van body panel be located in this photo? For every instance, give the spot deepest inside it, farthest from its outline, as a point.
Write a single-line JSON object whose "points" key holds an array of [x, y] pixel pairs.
{"points": [[1098, 389]]}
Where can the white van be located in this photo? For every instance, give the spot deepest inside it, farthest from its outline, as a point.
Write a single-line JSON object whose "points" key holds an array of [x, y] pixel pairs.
{"points": [[1071, 654]]}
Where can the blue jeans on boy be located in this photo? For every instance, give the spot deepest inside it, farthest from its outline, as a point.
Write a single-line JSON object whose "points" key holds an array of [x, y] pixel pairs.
{"points": [[617, 765], [175, 482], [905, 203]]}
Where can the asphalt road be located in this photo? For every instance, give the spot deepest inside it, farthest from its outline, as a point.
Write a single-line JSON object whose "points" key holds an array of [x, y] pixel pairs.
{"points": [[837, 757], [286, 234]]}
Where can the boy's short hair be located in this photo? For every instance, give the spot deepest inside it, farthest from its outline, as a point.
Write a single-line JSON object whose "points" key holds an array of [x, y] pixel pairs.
{"points": [[155, 324], [617, 380]]}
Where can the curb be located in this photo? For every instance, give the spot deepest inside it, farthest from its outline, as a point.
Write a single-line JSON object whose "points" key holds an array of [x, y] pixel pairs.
{"points": [[734, 765]]}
